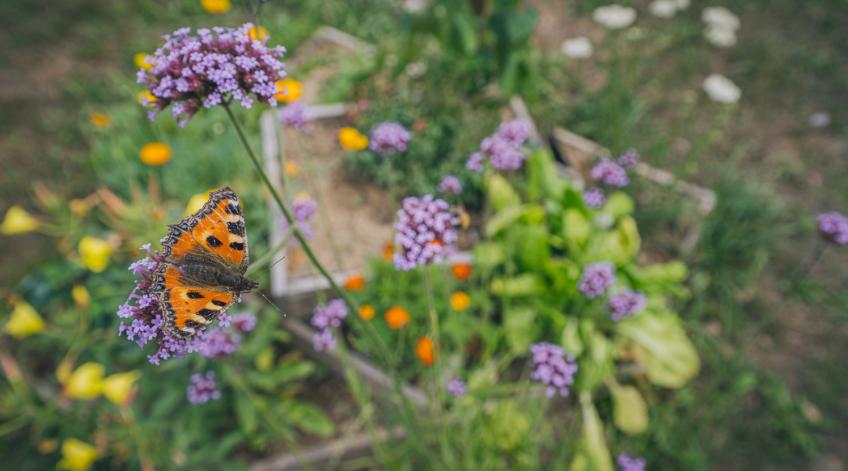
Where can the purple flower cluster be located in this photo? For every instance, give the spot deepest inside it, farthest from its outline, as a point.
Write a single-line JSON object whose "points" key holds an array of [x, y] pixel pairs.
{"points": [[325, 317], [425, 232], [833, 226], [625, 303], [628, 463], [203, 388], [503, 148], [596, 279], [303, 208], [611, 173], [244, 322], [389, 138], [294, 116], [450, 185], [552, 368], [456, 387], [211, 68], [142, 320], [594, 197], [629, 158]]}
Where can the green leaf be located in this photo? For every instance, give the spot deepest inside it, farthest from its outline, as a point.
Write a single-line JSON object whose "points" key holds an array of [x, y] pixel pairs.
{"points": [[661, 345], [246, 414], [310, 419], [630, 414], [501, 194], [596, 363], [526, 284], [628, 233], [571, 337], [502, 220], [619, 205], [543, 181], [592, 452], [521, 328], [576, 227], [488, 255], [530, 243]]}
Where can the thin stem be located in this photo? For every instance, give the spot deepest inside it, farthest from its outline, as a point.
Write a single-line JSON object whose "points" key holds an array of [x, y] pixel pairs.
{"points": [[263, 260], [808, 264], [434, 336]]}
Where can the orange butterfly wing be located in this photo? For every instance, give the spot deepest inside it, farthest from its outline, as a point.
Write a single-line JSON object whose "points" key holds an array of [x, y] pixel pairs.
{"points": [[188, 308]]}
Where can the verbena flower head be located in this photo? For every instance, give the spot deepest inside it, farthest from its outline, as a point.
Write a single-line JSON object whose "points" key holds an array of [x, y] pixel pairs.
{"points": [[212, 67], [609, 172], [450, 185], [425, 232], [244, 322], [629, 158], [303, 208], [203, 388], [324, 340], [143, 320], [503, 148], [597, 278], [294, 116], [456, 387], [325, 317], [833, 227], [553, 368], [625, 303], [218, 342], [594, 197], [389, 138], [628, 463]]}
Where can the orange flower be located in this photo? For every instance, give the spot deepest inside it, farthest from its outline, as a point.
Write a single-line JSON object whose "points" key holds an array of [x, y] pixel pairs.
{"points": [[461, 271], [397, 317], [388, 251], [355, 282], [366, 312], [292, 169], [352, 140], [215, 7], [155, 153], [99, 120], [425, 351], [289, 90], [460, 301]]}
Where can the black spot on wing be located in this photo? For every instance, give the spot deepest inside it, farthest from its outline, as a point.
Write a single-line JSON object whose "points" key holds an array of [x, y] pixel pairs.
{"points": [[233, 209], [192, 324], [194, 295], [213, 241], [237, 245], [236, 228], [207, 314], [218, 303]]}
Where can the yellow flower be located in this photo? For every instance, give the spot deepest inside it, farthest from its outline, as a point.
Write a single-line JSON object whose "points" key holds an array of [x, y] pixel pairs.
{"points": [[142, 61], [352, 140], [120, 388], [355, 282], [24, 321], [18, 221], [289, 90], [196, 202], [425, 351], [366, 312], [99, 120], [86, 382], [292, 169], [155, 153], [145, 98], [396, 317], [460, 301], [94, 253], [260, 34], [77, 455], [79, 207], [47, 446], [215, 7], [81, 296]]}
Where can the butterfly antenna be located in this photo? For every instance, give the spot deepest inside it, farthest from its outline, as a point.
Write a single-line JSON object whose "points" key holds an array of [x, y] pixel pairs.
{"points": [[278, 261], [271, 303]]}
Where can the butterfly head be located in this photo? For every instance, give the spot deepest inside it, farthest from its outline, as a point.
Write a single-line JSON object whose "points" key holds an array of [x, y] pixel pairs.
{"points": [[244, 284]]}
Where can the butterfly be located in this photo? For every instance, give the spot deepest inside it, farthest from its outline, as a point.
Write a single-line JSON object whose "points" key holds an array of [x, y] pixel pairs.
{"points": [[205, 257]]}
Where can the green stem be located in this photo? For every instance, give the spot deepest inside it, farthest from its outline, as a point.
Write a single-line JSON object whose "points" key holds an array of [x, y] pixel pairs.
{"points": [[434, 336], [263, 260]]}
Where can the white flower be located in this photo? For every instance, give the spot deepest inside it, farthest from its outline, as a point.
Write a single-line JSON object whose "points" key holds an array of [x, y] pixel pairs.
{"points": [[719, 88], [682, 4], [720, 37], [663, 8], [414, 6], [577, 48], [614, 16], [720, 17], [819, 119]]}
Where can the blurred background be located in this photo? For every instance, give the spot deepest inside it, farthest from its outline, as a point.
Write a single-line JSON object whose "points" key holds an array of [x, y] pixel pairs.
{"points": [[745, 102]]}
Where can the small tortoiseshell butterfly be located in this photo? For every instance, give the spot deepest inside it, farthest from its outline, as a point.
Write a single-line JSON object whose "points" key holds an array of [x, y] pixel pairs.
{"points": [[205, 258]]}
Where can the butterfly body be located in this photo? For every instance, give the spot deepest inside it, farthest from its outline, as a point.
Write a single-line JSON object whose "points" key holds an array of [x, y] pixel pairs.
{"points": [[205, 258]]}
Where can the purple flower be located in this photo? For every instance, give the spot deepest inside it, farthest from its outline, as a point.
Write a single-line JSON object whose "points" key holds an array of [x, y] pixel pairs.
{"points": [[503, 148], [294, 115], [628, 463], [552, 368], [450, 185], [609, 172], [303, 208], [625, 303], [203, 388], [212, 67], [594, 197], [425, 232], [329, 315], [244, 322], [596, 279], [218, 343], [629, 158], [456, 387], [324, 341], [833, 226], [389, 138]]}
